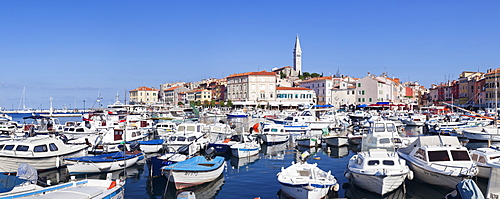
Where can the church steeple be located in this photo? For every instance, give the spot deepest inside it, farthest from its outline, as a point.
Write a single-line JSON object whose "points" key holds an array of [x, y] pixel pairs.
{"points": [[297, 57]]}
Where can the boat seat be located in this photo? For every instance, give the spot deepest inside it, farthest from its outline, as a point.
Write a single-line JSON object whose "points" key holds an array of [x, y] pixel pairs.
{"points": [[304, 173], [80, 192]]}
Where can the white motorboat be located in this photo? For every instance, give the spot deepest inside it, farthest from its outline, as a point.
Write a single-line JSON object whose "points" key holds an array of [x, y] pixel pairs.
{"points": [[274, 133], [383, 134], [485, 133], [304, 180], [439, 160], [377, 167], [166, 128], [335, 138], [42, 153], [246, 148], [377, 170], [486, 159], [414, 120], [188, 133], [109, 139]]}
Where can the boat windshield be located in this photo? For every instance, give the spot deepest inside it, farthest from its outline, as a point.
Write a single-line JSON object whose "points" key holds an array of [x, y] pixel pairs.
{"points": [[435, 156], [460, 155]]}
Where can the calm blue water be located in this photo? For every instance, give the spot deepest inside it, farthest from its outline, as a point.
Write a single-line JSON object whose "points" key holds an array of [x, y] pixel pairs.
{"points": [[256, 176]]}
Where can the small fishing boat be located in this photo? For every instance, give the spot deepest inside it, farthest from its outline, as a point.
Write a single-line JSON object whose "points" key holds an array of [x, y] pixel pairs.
{"points": [[308, 141], [274, 133], [304, 180], [237, 113], [249, 147], [335, 138], [195, 171], [102, 163], [150, 146], [486, 158]]}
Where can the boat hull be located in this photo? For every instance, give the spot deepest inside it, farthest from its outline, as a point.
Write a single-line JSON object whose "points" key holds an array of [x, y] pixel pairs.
{"points": [[189, 173], [435, 178], [245, 152], [336, 141], [299, 191], [378, 184], [10, 164], [275, 138], [82, 167]]}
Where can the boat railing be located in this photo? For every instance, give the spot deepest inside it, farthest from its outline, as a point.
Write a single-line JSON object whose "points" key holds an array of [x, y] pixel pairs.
{"points": [[455, 170]]}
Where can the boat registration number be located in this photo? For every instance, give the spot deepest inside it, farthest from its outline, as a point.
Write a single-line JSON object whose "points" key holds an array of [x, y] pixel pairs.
{"points": [[191, 173]]}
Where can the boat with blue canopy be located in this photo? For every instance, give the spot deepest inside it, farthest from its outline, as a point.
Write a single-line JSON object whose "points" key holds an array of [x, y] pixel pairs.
{"points": [[194, 171], [103, 163]]}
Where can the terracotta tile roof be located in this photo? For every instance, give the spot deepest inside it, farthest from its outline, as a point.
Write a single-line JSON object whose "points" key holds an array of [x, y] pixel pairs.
{"points": [[493, 71], [144, 88], [292, 88], [317, 79], [253, 73], [172, 88]]}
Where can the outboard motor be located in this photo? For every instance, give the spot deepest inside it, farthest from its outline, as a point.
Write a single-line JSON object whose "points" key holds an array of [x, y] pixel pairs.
{"points": [[210, 153], [135, 146]]}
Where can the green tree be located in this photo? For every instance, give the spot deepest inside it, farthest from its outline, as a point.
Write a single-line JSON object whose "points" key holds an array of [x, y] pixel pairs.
{"points": [[315, 75], [229, 103], [221, 103], [206, 103], [306, 75], [180, 103], [212, 103], [198, 103], [282, 75]]}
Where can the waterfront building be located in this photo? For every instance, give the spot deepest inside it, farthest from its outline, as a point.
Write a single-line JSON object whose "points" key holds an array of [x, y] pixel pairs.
{"points": [[371, 89], [491, 87], [343, 93], [144, 95], [294, 96], [170, 96], [251, 88], [468, 90], [322, 86]]}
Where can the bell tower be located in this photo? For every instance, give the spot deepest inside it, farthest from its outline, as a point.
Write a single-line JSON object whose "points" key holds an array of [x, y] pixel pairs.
{"points": [[297, 57]]}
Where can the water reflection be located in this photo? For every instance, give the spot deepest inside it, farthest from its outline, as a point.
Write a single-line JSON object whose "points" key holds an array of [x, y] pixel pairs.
{"points": [[336, 152], [160, 187], [353, 191], [238, 163]]}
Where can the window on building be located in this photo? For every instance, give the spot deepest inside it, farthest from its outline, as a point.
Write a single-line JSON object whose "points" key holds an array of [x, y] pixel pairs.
{"points": [[359, 84]]}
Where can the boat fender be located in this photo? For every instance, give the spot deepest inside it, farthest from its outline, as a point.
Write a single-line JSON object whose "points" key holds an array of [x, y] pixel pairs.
{"points": [[112, 185], [347, 175], [410, 175], [336, 187]]}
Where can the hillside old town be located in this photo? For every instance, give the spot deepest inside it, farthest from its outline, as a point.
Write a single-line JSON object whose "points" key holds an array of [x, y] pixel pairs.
{"points": [[292, 87]]}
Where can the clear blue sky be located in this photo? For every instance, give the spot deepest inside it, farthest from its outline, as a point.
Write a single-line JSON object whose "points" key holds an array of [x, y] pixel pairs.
{"points": [[73, 50]]}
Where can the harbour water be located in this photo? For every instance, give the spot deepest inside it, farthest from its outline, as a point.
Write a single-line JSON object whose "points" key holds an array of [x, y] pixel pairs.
{"points": [[256, 176]]}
